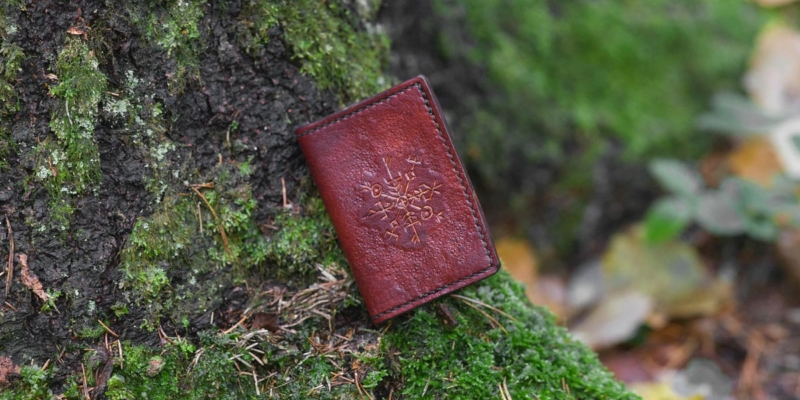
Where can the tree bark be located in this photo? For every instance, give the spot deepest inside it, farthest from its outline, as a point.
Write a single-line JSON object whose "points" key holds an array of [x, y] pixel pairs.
{"points": [[163, 235]]}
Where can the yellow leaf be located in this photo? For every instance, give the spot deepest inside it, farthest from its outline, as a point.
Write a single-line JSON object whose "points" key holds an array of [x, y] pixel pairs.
{"points": [[773, 3], [659, 391], [519, 259], [755, 160]]}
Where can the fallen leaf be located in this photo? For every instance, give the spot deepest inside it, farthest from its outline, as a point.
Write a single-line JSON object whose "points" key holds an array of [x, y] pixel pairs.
{"points": [[659, 391], [76, 31], [669, 273], [789, 254], [756, 160], [7, 368], [666, 272], [154, 366], [519, 259], [707, 299], [586, 285], [773, 80], [30, 280], [262, 320], [551, 292], [774, 3], [628, 366], [614, 321], [703, 379]]}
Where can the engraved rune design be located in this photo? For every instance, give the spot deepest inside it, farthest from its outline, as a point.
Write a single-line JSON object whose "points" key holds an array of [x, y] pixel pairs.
{"points": [[403, 202]]}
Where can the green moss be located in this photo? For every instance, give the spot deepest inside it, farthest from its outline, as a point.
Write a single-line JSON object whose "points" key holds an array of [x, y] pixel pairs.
{"points": [[535, 357], [34, 385], [324, 38], [11, 57], [69, 164], [184, 239], [93, 331], [420, 357], [148, 374], [303, 240], [173, 25]]}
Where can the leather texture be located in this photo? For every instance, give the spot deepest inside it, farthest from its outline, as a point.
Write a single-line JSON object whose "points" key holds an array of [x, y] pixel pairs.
{"points": [[404, 209]]}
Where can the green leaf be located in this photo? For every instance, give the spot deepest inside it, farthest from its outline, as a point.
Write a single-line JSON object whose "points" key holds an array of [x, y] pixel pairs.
{"points": [[666, 219], [676, 177], [762, 229], [736, 115], [718, 214]]}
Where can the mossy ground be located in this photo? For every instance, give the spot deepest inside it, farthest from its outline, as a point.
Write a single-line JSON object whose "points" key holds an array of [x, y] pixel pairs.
{"points": [[212, 302]]}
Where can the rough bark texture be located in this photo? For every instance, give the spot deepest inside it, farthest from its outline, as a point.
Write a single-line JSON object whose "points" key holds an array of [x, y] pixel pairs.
{"points": [[153, 184]]}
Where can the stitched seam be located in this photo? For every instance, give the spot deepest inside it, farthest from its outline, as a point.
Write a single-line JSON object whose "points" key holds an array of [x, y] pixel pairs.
{"points": [[481, 233], [355, 111]]}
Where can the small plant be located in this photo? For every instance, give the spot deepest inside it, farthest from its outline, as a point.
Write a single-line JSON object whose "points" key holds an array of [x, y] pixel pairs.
{"points": [[737, 207], [50, 304]]}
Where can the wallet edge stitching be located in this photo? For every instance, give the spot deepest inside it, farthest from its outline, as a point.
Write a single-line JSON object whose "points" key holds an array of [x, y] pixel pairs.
{"points": [[356, 111]]}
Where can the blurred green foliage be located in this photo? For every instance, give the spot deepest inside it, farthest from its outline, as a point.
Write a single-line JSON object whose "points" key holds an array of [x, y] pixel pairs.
{"points": [[637, 72]]}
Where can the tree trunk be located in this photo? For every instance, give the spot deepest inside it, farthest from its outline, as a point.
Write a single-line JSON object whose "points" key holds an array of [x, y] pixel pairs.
{"points": [[161, 236]]}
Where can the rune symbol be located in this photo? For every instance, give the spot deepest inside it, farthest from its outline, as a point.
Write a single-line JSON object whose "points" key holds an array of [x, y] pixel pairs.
{"points": [[403, 202]]}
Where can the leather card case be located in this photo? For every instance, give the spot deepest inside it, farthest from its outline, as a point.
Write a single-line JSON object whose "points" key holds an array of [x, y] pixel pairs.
{"points": [[404, 210]]}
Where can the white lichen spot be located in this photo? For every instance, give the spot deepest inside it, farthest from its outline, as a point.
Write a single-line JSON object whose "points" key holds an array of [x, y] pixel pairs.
{"points": [[118, 108], [160, 151], [43, 173], [58, 156], [130, 80]]}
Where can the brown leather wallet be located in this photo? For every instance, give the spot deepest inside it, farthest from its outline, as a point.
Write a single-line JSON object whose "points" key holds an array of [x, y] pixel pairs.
{"points": [[403, 207]]}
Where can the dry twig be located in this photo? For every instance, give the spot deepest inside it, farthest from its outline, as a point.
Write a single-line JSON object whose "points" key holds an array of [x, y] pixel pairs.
{"points": [[10, 270], [488, 316], [85, 383], [108, 329], [196, 189], [480, 303]]}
